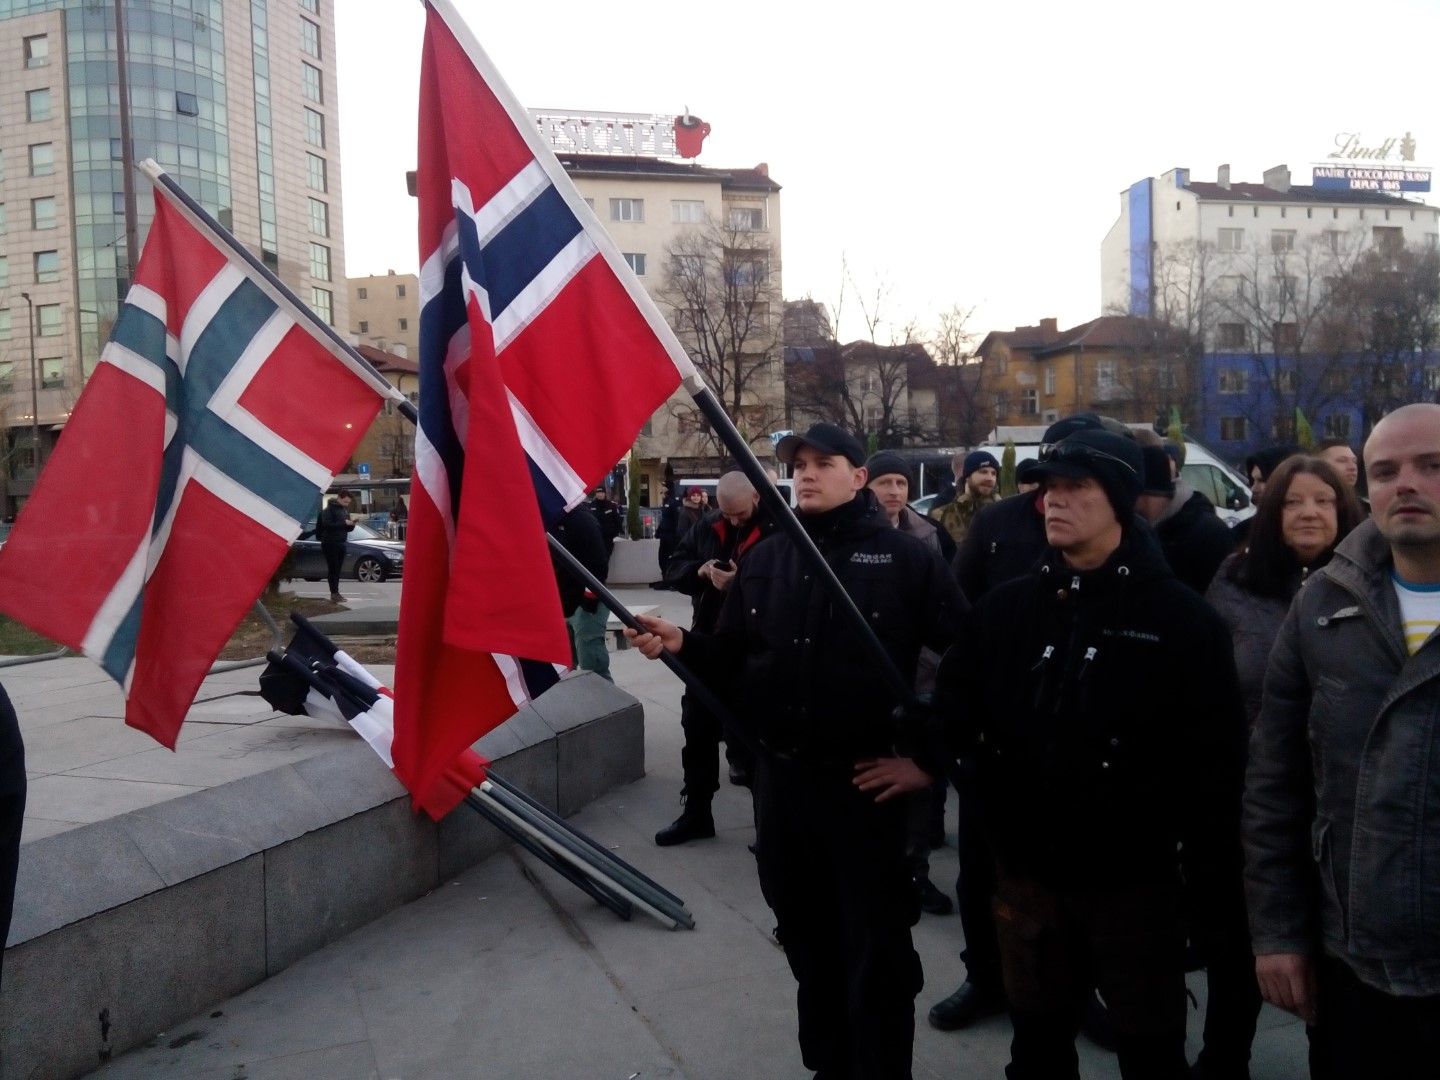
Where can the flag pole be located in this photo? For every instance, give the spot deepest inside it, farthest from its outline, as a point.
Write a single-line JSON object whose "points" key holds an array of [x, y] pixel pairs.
{"points": [[279, 292]]}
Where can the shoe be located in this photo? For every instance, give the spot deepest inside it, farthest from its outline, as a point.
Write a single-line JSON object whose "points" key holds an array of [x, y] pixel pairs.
{"points": [[694, 823], [739, 776], [336, 598], [932, 900], [965, 1006]]}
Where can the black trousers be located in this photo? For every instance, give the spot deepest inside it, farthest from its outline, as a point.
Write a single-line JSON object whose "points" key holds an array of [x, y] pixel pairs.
{"points": [[334, 558], [1057, 944], [832, 868], [975, 887], [700, 756], [12, 811], [1365, 1033], [924, 821]]}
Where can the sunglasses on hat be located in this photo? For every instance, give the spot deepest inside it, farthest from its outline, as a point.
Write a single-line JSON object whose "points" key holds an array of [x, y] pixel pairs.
{"points": [[1081, 453]]}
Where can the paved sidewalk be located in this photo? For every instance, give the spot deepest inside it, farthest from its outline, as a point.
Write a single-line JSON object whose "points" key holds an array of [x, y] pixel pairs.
{"points": [[509, 972]]}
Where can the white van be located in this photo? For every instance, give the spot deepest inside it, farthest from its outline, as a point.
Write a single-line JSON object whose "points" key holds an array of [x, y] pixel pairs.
{"points": [[1202, 470]]}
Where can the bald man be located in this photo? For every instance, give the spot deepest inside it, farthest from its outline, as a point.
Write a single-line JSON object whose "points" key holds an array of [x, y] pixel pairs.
{"points": [[703, 567], [1342, 799]]}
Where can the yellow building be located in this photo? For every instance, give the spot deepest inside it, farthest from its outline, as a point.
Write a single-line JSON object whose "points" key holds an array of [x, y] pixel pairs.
{"points": [[385, 312], [1117, 365]]}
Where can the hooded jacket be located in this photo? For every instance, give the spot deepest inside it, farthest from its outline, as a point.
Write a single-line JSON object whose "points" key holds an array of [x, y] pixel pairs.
{"points": [[804, 681], [1342, 791], [1103, 712], [1194, 539], [579, 533]]}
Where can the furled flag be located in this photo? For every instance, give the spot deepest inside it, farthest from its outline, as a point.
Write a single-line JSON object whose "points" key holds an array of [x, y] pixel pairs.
{"points": [[339, 687], [541, 357], [201, 443]]}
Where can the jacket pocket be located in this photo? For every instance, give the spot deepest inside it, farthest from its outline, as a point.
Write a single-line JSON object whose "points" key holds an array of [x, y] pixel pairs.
{"points": [[1333, 921]]}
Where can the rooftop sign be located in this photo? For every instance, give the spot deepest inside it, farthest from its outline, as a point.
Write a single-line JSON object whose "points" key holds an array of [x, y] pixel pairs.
{"points": [[1358, 164], [621, 134]]}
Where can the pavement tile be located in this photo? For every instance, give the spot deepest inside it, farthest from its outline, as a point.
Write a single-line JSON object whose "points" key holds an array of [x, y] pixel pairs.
{"points": [[224, 754], [90, 799]]}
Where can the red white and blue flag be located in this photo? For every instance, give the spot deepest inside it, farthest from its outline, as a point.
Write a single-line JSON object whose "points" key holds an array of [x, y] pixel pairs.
{"points": [[541, 357], [185, 471]]}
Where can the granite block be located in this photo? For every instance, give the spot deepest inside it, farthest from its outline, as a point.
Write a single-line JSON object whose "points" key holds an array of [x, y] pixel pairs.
{"points": [[595, 757], [580, 700], [321, 886], [350, 779]]}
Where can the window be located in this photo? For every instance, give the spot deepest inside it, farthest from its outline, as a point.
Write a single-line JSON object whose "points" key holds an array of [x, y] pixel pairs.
{"points": [[1232, 380], [1287, 289], [362, 293], [315, 172], [312, 6], [1333, 239], [1282, 240], [314, 128], [364, 326], [47, 320], [1104, 378], [186, 104], [1050, 381], [52, 372], [1285, 335], [636, 261], [319, 262], [1336, 381], [47, 267], [37, 51], [690, 266], [42, 212], [323, 304], [319, 218], [400, 292], [7, 376], [309, 38], [1337, 425], [1232, 286], [1287, 381], [42, 159], [1389, 239], [590, 203], [687, 211], [313, 83], [1432, 240], [746, 218], [37, 105], [1231, 240], [404, 324], [627, 209], [2, 219], [4, 324], [1232, 335], [1030, 402], [4, 271], [1234, 429]]}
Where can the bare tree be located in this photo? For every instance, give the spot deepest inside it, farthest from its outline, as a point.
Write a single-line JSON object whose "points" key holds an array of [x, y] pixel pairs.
{"points": [[964, 410], [723, 300]]}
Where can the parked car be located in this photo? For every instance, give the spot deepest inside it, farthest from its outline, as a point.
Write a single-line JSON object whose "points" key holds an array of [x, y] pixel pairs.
{"points": [[368, 556]]}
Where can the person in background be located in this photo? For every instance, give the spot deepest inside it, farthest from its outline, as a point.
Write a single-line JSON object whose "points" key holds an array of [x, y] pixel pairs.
{"points": [[1195, 541], [692, 509], [579, 533], [979, 479], [1338, 454], [1259, 466], [889, 480], [332, 530], [1342, 792], [608, 514], [1306, 511], [950, 486], [703, 567]]}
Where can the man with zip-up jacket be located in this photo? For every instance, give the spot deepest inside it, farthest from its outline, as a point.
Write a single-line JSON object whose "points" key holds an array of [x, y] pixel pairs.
{"points": [[1099, 697], [831, 822]]}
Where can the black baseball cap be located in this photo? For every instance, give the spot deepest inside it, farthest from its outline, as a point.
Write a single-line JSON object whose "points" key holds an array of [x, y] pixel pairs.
{"points": [[828, 439]]}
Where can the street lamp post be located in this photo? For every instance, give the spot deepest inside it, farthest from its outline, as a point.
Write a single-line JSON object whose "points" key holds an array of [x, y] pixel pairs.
{"points": [[34, 390]]}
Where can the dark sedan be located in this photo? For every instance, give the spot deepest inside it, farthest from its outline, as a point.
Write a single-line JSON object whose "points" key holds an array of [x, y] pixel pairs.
{"points": [[368, 557]]}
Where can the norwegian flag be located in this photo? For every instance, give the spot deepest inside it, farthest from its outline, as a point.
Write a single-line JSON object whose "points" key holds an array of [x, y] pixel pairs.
{"points": [[540, 358], [201, 443]]}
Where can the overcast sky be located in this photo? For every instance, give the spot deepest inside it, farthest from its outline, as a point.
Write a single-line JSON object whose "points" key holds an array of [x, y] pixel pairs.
{"points": [[966, 154]]}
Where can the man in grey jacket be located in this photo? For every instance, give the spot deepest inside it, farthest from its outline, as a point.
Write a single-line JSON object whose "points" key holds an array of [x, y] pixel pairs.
{"points": [[1342, 799]]}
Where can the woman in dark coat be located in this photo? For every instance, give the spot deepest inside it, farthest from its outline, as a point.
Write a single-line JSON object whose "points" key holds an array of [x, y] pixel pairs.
{"points": [[1306, 509]]}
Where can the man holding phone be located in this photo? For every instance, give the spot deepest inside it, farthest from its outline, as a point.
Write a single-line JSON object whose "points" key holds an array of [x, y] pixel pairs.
{"points": [[703, 567]]}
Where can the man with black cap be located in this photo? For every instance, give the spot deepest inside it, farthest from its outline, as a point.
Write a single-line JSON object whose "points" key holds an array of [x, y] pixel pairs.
{"points": [[830, 838], [1194, 539], [979, 479], [1096, 802]]}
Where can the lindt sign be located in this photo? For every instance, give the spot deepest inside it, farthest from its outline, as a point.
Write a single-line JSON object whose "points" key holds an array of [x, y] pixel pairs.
{"points": [[621, 134]]}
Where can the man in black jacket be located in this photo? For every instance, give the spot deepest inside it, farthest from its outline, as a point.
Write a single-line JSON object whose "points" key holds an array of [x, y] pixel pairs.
{"points": [[1194, 539], [1089, 790], [332, 529], [609, 515], [831, 823], [703, 567]]}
